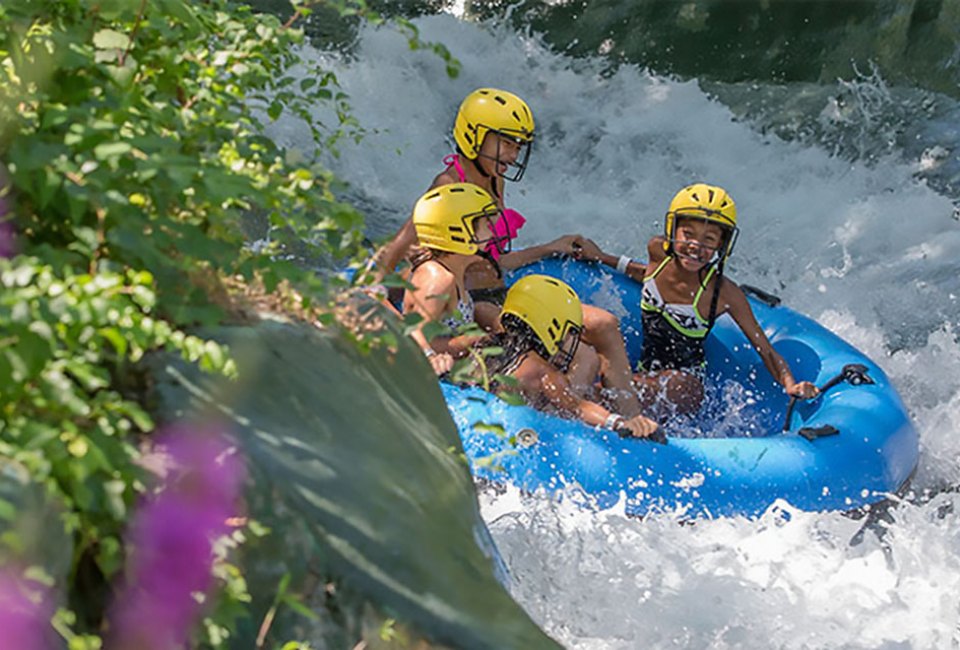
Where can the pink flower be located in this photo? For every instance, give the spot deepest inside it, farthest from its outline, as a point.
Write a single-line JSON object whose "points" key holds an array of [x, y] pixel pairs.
{"points": [[25, 612], [7, 239], [172, 539]]}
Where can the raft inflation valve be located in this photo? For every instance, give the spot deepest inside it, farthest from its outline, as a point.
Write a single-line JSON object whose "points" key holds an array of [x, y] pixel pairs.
{"points": [[527, 437]]}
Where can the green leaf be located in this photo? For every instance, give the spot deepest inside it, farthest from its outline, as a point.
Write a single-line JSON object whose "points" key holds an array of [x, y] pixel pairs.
{"points": [[7, 510], [275, 110], [116, 9], [113, 335], [488, 427], [213, 357], [90, 377], [18, 369], [109, 556], [511, 398], [107, 39], [35, 351], [111, 150], [140, 418], [180, 10], [282, 587], [300, 608]]}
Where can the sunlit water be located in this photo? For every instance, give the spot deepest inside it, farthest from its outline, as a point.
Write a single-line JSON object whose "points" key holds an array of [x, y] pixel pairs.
{"points": [[866, 248]]}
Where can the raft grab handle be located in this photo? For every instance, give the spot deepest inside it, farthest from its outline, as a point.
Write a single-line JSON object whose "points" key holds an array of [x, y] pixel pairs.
{"points": [[853, 373], [812, 433], [657, 436], [763, 296]]}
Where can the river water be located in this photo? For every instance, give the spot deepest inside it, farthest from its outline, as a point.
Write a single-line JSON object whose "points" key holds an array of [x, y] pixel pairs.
{"points": [[846, 178]]}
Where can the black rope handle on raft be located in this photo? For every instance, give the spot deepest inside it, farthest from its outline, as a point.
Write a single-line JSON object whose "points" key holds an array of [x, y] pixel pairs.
{"points": [[853, 373], [658, 436]]}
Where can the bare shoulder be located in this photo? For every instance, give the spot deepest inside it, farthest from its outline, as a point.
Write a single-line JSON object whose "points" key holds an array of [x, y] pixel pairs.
{"points": [[655, 252], [732, 296], [532, 372], [445, 177], [432, 276], [655, 249]]}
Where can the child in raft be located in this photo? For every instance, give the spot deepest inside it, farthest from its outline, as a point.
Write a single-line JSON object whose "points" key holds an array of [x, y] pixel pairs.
{"points": [[494, 132], [684, 292], [541, 324]]}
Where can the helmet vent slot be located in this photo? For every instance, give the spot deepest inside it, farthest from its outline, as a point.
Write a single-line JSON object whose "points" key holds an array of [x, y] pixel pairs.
{"points": [[501, 100]]}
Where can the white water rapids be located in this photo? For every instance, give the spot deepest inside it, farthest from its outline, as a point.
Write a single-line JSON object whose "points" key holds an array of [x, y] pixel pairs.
{"points": [[868, 250]]}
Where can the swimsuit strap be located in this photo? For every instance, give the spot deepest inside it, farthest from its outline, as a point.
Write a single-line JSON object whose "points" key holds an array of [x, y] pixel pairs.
{"points": [[703, 285], [656, 271], [694, 305], [453, 160]]}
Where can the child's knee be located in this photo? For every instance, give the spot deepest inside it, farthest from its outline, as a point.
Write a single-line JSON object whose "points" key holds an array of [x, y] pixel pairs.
{"points": [[685, 391], [599, 322], [585, 366]]}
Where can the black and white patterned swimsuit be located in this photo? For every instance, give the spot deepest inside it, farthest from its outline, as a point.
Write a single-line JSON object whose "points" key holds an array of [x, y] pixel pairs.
{"points": [[673, 333]]}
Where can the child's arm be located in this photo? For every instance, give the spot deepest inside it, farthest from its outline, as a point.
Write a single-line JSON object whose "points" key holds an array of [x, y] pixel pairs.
{"points": [[560, 246], [538, 378], [739, 309], [386, 259], [631, 268], [431, 299]]}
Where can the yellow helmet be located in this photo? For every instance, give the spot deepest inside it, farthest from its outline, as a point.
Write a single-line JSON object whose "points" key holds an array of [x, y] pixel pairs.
{"points": [[706, 202], [489, 109], [551, 309], [445, 219]]}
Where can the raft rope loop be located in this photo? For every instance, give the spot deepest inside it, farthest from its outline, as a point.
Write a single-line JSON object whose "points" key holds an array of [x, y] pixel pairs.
{"points": [[853, 373]]}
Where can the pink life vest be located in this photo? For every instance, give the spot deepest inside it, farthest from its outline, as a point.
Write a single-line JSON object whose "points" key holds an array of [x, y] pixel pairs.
{"points": [[508, 225]]}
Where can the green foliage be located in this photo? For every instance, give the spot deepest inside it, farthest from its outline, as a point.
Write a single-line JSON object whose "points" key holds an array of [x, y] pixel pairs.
{"points": [[132, 134], [61, 417], [135, 157], [136, 137]]}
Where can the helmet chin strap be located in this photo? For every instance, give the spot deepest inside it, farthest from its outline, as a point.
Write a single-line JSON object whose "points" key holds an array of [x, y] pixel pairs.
{"points": [[712, 317], [496, 265], [483, 172]]}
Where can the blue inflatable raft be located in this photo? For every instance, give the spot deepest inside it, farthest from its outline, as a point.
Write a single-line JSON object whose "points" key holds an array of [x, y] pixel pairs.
{"points": [[852, 446]]}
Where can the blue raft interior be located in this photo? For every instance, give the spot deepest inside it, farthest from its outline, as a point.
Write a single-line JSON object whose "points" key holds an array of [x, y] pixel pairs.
{"points": [[733, 458]]}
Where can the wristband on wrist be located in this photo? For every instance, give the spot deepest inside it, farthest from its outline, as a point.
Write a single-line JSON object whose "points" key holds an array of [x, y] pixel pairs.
{"points": [[429, 352], [623, 263], [613, 420]]}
